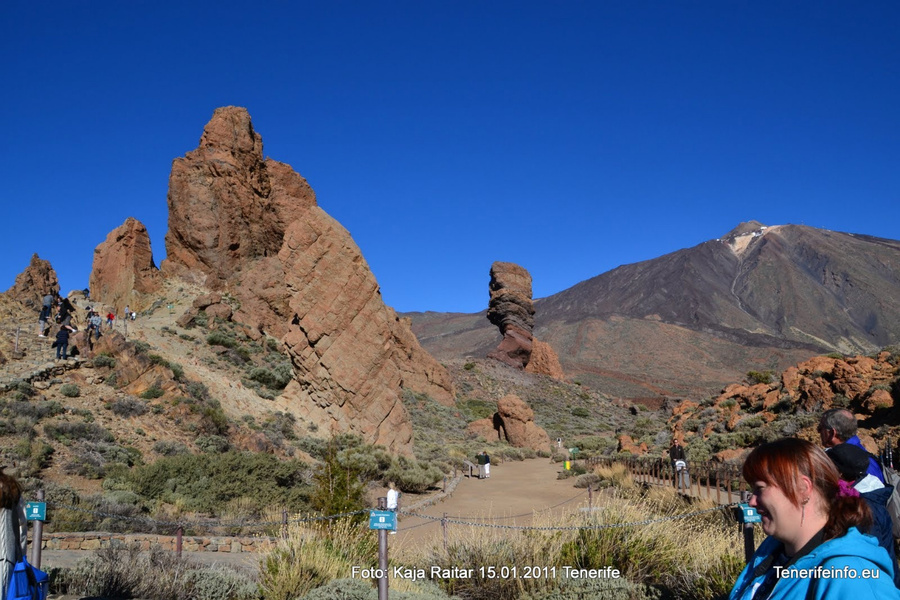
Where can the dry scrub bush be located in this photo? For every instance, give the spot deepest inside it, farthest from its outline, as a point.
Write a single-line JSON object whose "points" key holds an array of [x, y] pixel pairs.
{"points": [[312, 555], [615, 475]]}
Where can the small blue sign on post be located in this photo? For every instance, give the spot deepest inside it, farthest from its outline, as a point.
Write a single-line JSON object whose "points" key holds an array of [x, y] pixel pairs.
{"points": [[36, 511], [749, 514], [383, 519]]}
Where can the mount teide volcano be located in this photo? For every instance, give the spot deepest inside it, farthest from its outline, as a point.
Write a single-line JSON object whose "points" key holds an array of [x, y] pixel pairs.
{"points": [[694, 320]]}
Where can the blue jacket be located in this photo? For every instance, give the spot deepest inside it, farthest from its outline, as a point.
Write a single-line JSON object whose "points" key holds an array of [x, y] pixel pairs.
{"points": [[853, 552], [874, 467]]}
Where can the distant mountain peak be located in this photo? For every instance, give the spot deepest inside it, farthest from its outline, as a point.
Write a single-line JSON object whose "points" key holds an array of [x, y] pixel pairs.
{"points": [[744, 228]]}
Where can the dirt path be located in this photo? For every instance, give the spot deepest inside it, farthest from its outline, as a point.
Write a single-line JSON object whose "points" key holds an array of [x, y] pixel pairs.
{"points": [[511, 496]]}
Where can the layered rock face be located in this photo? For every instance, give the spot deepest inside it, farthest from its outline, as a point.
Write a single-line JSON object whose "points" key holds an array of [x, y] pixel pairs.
{"points": [[512, 310], [123, 273], [251, 227], [34, 282]]}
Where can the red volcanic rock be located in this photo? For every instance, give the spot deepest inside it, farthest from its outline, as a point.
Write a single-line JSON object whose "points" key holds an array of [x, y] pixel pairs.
{"points": [[544, 360], [34, 282], [485, 429], [251, 227], [512, 310], [516, 419], [626, 444], [227, 205], [123, 273]]}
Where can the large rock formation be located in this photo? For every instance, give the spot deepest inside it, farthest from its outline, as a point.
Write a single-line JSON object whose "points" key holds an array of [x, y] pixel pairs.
{"points": [[228, 206], [513, 422], [512, 310], [34, 282], [123, 273], [251, 227]]}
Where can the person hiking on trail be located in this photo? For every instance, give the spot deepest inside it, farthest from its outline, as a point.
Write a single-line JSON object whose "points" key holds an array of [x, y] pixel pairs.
{"points": [[479, 459], [62, 341], [487, 465], [127, 312], [66, 308], [42, 321], [95, 321], [393, 497]]}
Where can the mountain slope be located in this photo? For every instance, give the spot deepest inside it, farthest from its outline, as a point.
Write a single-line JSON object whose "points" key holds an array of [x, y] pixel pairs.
{"points": [[698, 318]]}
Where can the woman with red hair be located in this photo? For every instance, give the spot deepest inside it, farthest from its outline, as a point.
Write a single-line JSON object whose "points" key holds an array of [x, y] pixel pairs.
{"points": [[814, 548]]}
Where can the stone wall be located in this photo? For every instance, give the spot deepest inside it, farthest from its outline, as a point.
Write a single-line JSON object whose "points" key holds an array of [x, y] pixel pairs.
{"points": [[93, 540]]}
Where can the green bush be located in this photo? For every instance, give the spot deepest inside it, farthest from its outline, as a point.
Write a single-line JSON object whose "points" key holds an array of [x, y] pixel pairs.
{"points": [[69, 390], [219, 338], [35, 410], [580, 411], [152, 393], [760, 376], [212, 444], [276, 379], [207, 482], [104, 360]]}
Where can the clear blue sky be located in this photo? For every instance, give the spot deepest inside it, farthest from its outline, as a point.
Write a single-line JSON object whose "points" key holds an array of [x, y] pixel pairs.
{"points": [[569, 137]]}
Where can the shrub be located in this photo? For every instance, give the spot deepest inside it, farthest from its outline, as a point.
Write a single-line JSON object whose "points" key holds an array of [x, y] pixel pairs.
{"points": [[218, 338], [104, 360], [580, 411], [212, 444], [67, 432], [276, 379], [313, 555], [151, 393], [207, 482], [124, 571], [36, 411], [129, 406], [760, 376], [69, 390], [169, 448]]}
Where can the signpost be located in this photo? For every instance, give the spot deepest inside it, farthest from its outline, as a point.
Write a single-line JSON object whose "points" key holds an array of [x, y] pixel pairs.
{"points": [[37, 512], [383, 521]]}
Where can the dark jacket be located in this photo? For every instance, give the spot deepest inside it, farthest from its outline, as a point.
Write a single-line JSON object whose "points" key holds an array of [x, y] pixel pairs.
{"points": [[881, 523], [63, 336]]}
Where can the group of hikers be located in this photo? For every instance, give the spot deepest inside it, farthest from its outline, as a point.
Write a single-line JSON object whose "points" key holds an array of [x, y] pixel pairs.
{"points": [[62, 310], [825, 509]]}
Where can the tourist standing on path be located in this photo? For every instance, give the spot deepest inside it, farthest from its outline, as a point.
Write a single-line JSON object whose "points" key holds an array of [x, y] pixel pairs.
{"points": [[66, 308], [13, 529], [813, 523], [838, 426], [393, 497], [676, 453], [487, 464], [110, 317]]}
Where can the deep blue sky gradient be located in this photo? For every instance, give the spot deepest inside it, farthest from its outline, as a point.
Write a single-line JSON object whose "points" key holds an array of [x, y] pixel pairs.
{"points": [[569, 137]]}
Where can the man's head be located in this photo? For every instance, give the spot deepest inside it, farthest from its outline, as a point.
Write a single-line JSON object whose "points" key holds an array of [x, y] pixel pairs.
{"points": [[851, 461], [836, 427]]}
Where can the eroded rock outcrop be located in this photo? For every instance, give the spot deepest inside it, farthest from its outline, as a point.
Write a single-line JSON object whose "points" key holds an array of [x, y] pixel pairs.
{"points": [[251, 227], [511, 309], [514, 422], [34, 282], [123, 272]]}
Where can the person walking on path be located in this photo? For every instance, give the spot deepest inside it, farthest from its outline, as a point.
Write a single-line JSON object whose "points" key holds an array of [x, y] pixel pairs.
{"points": [[13, 528], [42, 321], [393, 497]]}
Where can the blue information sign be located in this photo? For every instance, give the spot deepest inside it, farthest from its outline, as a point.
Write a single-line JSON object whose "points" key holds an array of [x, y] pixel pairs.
{"points": [[383, 519], [749, 514], [36, 511]]}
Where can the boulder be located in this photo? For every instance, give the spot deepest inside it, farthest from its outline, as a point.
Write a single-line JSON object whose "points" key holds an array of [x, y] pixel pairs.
{"points": [[544, 360], [123, 272], [34, 282], [516, 420]]}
